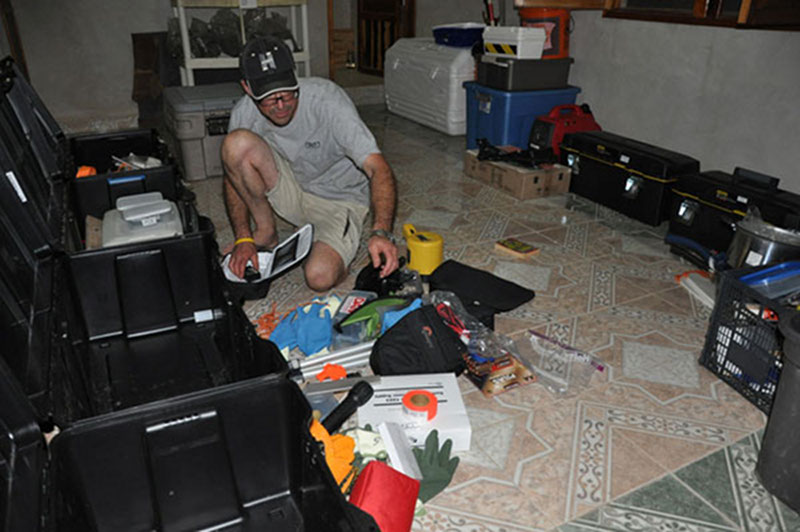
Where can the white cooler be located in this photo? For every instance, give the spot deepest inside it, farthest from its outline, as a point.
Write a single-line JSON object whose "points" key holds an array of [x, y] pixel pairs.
{"points": [[197, 121], [423, 82]]}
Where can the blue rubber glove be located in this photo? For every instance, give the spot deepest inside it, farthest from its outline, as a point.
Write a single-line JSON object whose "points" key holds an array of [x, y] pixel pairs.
{"points": [[313, 329], [285, 334]]}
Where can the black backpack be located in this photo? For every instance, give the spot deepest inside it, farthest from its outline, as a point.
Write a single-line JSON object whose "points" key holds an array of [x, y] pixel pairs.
{"points": [[419, 343]]}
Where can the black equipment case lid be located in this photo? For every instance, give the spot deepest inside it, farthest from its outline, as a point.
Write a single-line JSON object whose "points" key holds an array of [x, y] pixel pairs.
{"points": [[645, 160]]}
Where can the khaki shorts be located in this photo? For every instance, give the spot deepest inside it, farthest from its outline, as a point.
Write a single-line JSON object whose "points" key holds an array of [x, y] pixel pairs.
{"points": [[338, 223]]}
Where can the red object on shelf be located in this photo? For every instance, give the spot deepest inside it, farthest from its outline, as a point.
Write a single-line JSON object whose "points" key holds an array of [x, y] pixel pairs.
{"points": [[556, 25]]}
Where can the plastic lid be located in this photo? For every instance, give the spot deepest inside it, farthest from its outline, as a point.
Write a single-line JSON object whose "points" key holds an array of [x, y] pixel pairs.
{"points": [[768, 231]]}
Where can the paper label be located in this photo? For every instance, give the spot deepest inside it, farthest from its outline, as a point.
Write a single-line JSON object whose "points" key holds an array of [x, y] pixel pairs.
{"points": [[742, 199], [150, 220], [624, 159], [18, 189], [753, 258], [352, 303]]}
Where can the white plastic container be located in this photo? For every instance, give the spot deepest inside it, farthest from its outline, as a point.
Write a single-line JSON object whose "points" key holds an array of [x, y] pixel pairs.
{"points": [[518, 42], [139, 218], [197, 120], [423, 82]]}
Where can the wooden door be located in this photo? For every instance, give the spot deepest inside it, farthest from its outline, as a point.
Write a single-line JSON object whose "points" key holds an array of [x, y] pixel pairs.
{"points": [[380, 24]]}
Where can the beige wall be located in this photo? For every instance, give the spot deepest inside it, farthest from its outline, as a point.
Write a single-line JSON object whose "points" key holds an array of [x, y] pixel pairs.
{"points": [[80, 54], [727, 97]]}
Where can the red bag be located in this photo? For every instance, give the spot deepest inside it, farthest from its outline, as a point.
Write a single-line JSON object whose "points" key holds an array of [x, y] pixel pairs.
{"points": [[387, 495]]}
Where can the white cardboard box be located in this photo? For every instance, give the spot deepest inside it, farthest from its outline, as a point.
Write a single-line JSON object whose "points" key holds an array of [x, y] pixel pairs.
{"points": [[451, 419]]}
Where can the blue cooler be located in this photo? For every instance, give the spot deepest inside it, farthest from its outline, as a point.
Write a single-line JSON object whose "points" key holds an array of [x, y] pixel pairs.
{"points": [[506, 118]]}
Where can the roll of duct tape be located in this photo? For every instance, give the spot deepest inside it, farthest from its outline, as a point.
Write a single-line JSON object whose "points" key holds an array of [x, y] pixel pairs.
{"points": [[420, 404]]}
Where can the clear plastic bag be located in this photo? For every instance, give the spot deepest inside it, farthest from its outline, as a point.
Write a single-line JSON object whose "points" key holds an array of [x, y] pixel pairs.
{"points": [[562, 369], [493, 361]]}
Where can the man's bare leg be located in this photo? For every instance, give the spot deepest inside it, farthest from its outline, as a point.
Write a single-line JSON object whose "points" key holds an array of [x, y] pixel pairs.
{"points": [[250, 172], [324, 268]]}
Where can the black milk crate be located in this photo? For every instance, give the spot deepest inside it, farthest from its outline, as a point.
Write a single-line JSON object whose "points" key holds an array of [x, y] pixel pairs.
{"points": [[743, 346]]}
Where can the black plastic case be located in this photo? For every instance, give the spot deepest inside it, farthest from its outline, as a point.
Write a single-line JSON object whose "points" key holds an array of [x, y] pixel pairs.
{"points": [[509, 74], [626, 175], [706, 206], [91, 338]]}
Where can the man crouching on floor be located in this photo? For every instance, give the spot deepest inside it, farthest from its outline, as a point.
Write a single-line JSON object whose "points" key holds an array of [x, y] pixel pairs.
{"points": [[300, 150]]}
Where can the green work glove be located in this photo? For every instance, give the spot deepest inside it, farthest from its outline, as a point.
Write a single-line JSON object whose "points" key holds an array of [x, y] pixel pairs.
{"points": [[436, 466]]}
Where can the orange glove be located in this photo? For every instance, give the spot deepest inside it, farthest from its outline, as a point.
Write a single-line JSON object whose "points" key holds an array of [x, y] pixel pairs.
{"points": [[339, 453]]}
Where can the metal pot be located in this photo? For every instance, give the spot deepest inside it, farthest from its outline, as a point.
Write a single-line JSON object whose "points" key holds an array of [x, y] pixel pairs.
{"points": [[757, 243]]}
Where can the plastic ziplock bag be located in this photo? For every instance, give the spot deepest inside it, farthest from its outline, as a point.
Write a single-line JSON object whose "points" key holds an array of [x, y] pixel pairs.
{"points": [[564, 370], [493, 361]]}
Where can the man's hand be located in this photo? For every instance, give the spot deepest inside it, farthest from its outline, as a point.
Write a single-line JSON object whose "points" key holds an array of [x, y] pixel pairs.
{"points": [[383, 195], [241, 254], [382, 250]]}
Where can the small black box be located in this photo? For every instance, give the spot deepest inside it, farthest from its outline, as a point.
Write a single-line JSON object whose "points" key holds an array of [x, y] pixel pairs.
{"points": [[509, 74]]}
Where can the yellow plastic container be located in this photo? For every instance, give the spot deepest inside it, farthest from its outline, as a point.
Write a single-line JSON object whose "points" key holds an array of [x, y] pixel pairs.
{"points": [[425, 249]]}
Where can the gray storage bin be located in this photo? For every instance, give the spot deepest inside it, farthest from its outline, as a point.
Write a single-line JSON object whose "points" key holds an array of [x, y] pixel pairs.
{"points": [[197, 120]]}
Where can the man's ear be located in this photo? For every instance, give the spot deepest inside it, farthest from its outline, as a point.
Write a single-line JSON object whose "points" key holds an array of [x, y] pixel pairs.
{"points": [[246, 87]]}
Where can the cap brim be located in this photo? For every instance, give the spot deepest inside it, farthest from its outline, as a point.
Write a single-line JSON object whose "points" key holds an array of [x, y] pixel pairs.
{"points": [[262, 88]]}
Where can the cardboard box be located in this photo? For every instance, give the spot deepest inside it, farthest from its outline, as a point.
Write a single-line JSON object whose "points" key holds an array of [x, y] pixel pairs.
{"points": [[521, 182], [451, 418]]}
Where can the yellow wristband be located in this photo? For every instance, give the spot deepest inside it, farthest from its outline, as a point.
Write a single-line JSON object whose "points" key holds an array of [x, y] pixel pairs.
{"points": [[243, 240]]}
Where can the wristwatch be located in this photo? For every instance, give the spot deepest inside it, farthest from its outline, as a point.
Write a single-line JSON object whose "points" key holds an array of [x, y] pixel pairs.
{"points": [[382, 233]]}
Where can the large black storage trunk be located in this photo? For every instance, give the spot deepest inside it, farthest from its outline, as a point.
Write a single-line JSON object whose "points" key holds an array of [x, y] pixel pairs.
{"points": [[238, 457], [91, 338], [626, 175], [706, 206]]}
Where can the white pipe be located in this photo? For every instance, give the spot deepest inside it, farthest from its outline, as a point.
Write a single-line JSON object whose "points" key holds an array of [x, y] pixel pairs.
{"points": [[338, 354], [351, 359]]}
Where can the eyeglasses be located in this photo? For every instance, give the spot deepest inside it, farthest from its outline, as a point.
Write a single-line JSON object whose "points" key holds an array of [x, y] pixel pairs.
{"points": [[286, 97]]}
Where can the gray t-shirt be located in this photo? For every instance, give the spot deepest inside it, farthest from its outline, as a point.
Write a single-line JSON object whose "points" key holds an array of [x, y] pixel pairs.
{"points": [[326, 142]]}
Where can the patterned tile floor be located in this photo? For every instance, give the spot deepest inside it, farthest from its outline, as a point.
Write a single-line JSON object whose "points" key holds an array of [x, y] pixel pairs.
{"points": [[654, 443]]}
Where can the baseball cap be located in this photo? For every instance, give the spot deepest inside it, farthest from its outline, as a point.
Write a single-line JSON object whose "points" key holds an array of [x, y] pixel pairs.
{"points": [[267, 66]]}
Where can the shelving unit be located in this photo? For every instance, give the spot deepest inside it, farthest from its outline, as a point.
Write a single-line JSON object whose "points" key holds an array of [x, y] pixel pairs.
{"points": [[297, 7]]}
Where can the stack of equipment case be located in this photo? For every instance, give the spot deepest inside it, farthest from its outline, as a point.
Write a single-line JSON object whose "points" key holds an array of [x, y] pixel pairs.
{"points": [[138, 356], [706, 206], [623, 174]]}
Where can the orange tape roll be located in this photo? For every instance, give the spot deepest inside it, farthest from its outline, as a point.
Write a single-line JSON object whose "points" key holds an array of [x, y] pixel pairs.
{"points": [[420, 403]]}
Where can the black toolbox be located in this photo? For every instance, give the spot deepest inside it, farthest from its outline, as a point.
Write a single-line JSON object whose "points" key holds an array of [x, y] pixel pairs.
{"points": [[626, 175], [706, 206], [510, 74], [173, 414]]}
